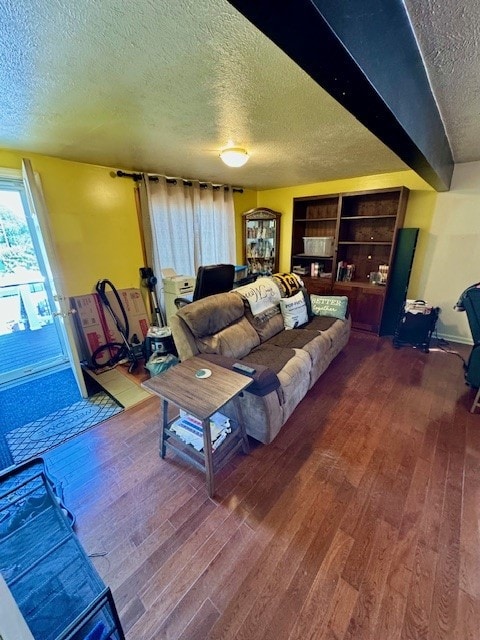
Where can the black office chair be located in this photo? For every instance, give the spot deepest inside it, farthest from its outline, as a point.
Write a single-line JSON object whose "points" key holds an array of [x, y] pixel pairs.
{"points": [[211, 279]]}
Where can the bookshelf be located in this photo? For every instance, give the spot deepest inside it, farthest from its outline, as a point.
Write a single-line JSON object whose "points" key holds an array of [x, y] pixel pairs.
{"points": [[314, 217], [364, 226]]}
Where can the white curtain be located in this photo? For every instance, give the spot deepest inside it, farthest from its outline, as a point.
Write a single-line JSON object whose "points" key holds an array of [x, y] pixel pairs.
{"points": [[187, 226], [214, 225]]}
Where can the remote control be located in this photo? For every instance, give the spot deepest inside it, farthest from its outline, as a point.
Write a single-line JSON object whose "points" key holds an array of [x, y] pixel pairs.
{"points": [[242, 368]]}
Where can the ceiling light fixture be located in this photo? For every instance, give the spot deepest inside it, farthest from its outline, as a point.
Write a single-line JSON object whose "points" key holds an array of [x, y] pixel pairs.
{"points": [[234, 156]]}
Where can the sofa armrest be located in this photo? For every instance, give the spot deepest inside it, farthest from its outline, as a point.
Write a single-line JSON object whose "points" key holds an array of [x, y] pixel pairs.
{"points": [[264, 379], [183, 338]]}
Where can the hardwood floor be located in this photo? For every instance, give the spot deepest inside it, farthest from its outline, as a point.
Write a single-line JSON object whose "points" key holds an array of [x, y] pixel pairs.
{"points": [[360, 521]]}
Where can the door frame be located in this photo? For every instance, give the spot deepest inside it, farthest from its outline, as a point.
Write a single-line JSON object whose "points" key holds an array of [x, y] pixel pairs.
{"points": [[62, 312]]}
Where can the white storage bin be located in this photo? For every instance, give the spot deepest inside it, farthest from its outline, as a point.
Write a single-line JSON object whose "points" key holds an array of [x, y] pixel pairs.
{"points": [[318, 246]]}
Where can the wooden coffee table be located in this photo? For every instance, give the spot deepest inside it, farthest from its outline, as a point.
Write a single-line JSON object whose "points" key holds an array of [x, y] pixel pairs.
{"points": [[201, 398]]}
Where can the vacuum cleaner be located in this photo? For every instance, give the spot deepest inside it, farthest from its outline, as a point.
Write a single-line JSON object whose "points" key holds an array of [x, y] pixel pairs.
{"points": [[150, 280], [159, 337], [127, 351]]}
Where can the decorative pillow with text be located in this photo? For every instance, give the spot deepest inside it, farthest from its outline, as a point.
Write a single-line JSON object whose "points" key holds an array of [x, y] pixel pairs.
{"points": [[260, 295], [333, 306], [294, 311]]}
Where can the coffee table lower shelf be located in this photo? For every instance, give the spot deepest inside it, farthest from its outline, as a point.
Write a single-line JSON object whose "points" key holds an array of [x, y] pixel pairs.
{"points": [[201, 398], [232, 444]]}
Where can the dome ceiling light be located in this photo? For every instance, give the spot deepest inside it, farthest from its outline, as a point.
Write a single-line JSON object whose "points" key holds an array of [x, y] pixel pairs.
{"points": [[234, 156]]}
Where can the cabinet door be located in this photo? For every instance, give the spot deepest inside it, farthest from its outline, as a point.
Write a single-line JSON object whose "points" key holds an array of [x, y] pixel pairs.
{"points": [[368, 313], [365, 305], [261, 240], [319, 286]]}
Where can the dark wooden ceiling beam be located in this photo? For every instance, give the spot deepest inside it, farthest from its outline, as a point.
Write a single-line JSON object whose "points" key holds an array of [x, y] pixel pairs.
{"points": [[364, 54]]}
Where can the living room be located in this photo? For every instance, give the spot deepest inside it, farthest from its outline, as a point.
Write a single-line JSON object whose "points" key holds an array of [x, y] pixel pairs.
{"points": [[364, 526]]}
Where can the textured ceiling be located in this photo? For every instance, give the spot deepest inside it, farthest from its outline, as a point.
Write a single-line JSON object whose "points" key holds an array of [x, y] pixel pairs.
{"points": [[448, 33], [163, 86]]}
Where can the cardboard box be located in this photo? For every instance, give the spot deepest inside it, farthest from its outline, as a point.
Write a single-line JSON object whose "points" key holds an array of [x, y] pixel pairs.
{"points": [[134, 306], [96, 327], [90, 331]]}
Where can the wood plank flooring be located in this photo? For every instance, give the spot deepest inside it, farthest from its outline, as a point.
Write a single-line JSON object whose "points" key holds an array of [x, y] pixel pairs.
{"points": [[360, 521]]}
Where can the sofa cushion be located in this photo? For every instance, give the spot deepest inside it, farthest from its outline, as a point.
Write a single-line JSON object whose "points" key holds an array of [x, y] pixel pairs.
{"points": [[266, 324], [294, 311], [209, 315], [321, 323], [236, 340], [294, 339], [337, 330], [295, 380], [270, 356]]}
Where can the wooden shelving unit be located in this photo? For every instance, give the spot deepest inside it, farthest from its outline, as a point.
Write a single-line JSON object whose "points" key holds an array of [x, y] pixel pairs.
{"points": [[364, 226]]}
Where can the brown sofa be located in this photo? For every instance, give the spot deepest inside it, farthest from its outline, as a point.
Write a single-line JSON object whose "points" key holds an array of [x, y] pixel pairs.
{"points": [[224, 325]]}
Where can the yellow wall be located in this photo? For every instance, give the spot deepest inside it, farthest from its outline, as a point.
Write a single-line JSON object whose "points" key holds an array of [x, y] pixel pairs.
{"points": [[95, 229], [93, 220], [420, 209], [420, 213]]}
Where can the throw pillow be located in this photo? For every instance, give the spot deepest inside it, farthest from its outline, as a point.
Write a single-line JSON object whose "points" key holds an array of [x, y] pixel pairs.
{"points": [[333, 306], [288, 283], [294, 311], [260, 295]]}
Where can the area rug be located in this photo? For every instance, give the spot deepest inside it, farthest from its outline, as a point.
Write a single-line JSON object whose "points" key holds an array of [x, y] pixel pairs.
{"points": [[6, 459], [37, 398], [54, 429]]}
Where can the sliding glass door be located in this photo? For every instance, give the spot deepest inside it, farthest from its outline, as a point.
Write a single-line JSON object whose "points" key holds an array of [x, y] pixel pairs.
{"points": [[31, 339]]}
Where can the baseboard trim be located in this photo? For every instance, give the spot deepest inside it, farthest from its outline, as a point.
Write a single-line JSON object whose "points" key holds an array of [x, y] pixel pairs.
{"points": [[452, 338]]}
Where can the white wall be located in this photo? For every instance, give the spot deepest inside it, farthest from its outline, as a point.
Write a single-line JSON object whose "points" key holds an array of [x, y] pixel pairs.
{"points": [[453, 250]]}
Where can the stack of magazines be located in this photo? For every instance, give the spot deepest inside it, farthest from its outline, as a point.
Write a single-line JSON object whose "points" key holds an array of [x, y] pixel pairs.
{"points": [[189, 429]]}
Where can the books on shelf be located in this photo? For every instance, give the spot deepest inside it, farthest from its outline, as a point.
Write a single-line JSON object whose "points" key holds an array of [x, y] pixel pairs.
{"points": [[190, 430], [345, 271]]}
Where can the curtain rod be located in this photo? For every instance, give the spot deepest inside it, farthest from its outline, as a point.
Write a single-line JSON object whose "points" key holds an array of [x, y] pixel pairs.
{"points": [[136, 177]]}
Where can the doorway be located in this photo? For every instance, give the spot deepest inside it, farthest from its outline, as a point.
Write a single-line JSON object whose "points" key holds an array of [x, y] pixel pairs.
{"points": [[31, 338]]}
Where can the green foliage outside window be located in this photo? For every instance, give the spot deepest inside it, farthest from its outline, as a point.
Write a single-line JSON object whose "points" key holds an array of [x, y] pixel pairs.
{"points": [[16, 248]]}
